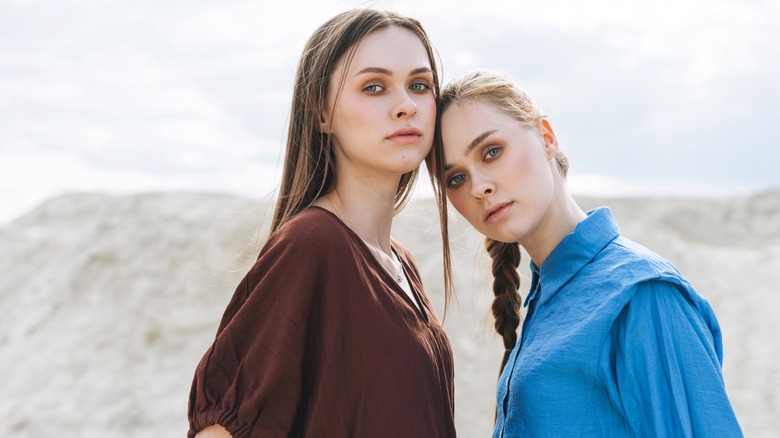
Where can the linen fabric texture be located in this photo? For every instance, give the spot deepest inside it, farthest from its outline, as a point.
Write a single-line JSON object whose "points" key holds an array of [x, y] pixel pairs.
{"points": [[615, 343], [318, 340]]}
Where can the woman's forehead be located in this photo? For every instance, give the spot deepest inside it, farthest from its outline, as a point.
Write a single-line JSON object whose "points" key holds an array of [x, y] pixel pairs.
{"points": [[395, 49]]}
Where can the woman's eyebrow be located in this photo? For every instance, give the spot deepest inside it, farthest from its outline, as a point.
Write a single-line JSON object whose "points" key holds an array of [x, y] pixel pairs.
{"points": [[385, 71], [474, 143]]}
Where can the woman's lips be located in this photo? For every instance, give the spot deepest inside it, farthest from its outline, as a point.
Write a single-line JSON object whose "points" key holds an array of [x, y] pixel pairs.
{"points": [[498, 212], [405, 136]]}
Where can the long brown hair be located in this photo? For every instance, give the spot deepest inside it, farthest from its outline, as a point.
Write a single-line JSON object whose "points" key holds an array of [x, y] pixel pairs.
{"points": [[309, 161], [498, 90]]}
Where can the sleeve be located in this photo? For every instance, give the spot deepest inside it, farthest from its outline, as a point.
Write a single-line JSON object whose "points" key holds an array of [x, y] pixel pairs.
{"points": [[250, 380], [664, 361]]}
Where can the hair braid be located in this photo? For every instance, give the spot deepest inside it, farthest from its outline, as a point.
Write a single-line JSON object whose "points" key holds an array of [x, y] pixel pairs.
{"points": [[506, 282]]}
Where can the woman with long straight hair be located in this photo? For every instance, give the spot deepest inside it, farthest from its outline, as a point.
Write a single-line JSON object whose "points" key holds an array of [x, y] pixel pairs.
{"points": [[330, 333]]}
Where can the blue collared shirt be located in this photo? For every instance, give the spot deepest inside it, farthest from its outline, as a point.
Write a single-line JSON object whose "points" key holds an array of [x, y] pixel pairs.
{"points": [[615, 343]]}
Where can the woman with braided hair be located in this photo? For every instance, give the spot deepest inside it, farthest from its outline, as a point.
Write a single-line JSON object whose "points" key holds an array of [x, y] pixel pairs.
{"points": [[614, 341]]}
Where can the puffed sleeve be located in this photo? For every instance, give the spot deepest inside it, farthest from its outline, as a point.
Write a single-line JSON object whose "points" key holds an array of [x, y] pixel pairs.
{"points": [[250, 380], [664, 361]]}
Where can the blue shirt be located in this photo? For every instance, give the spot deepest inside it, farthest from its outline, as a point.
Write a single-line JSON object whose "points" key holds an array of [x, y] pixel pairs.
{"points": [[615, 343]]}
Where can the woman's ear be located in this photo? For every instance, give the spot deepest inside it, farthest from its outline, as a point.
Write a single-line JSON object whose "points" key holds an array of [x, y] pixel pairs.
{"points": [[548, 136], [324, 124]]}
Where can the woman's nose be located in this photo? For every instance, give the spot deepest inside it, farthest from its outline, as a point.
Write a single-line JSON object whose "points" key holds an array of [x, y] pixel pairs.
{"points": [[406, 107], [481, 186]]}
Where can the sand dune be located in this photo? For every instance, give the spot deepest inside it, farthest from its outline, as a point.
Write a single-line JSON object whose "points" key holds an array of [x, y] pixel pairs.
{"points": [[109, 301]]}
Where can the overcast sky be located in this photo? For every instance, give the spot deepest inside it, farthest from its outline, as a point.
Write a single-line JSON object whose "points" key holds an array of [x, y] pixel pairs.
{"points": [[654, 97]]}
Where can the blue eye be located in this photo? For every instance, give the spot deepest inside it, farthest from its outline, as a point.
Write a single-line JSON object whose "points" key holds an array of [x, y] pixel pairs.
{"points": [[373, 88], [456, 180], [492, 152], [420, 86]]}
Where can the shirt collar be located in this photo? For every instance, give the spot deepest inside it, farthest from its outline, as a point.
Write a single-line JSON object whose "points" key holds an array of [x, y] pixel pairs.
{"points": [[575, 251]]}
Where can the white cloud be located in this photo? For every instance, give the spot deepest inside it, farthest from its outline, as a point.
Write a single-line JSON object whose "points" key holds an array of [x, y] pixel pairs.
{"points": [[152, 94]]}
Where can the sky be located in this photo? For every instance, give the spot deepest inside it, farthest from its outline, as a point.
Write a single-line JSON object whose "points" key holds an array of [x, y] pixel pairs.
{"points": [[661, 98]]}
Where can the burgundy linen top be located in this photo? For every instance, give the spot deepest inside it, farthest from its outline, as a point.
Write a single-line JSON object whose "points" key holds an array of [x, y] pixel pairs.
{"points": [[319, 340]]}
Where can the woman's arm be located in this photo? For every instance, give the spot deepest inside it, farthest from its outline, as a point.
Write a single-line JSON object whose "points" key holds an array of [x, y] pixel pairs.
{"points": [[215, 431], [664, 360], [252, 376]]}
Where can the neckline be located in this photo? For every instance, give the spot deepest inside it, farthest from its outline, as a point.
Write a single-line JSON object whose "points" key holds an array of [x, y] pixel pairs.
{"points": [[575, 251], [366, 246], [416, 289], [391, 262]]}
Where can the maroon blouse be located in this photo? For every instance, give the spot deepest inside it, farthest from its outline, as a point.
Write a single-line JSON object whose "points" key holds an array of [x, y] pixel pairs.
{"points": [[318, 340]]}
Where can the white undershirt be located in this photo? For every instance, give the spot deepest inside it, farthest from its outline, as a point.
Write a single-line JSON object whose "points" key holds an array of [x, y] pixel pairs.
{"points": [[394, 267]]}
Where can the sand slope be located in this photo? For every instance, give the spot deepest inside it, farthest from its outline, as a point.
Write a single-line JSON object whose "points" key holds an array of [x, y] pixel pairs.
{"points": [[109, 301]]}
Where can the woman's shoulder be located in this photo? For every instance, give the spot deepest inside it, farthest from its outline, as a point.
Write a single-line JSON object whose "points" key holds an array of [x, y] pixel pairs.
{"points": [[313, 226], [635, 263], [638, 271], [312, 235], [309, 242], [623, 266]]}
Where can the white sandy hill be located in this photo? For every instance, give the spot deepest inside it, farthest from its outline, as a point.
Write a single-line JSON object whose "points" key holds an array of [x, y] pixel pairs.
{"points": [[109, 302]]}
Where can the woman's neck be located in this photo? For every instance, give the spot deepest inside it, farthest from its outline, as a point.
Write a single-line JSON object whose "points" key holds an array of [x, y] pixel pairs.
{"points": [[365, 207], [561, 219]]}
